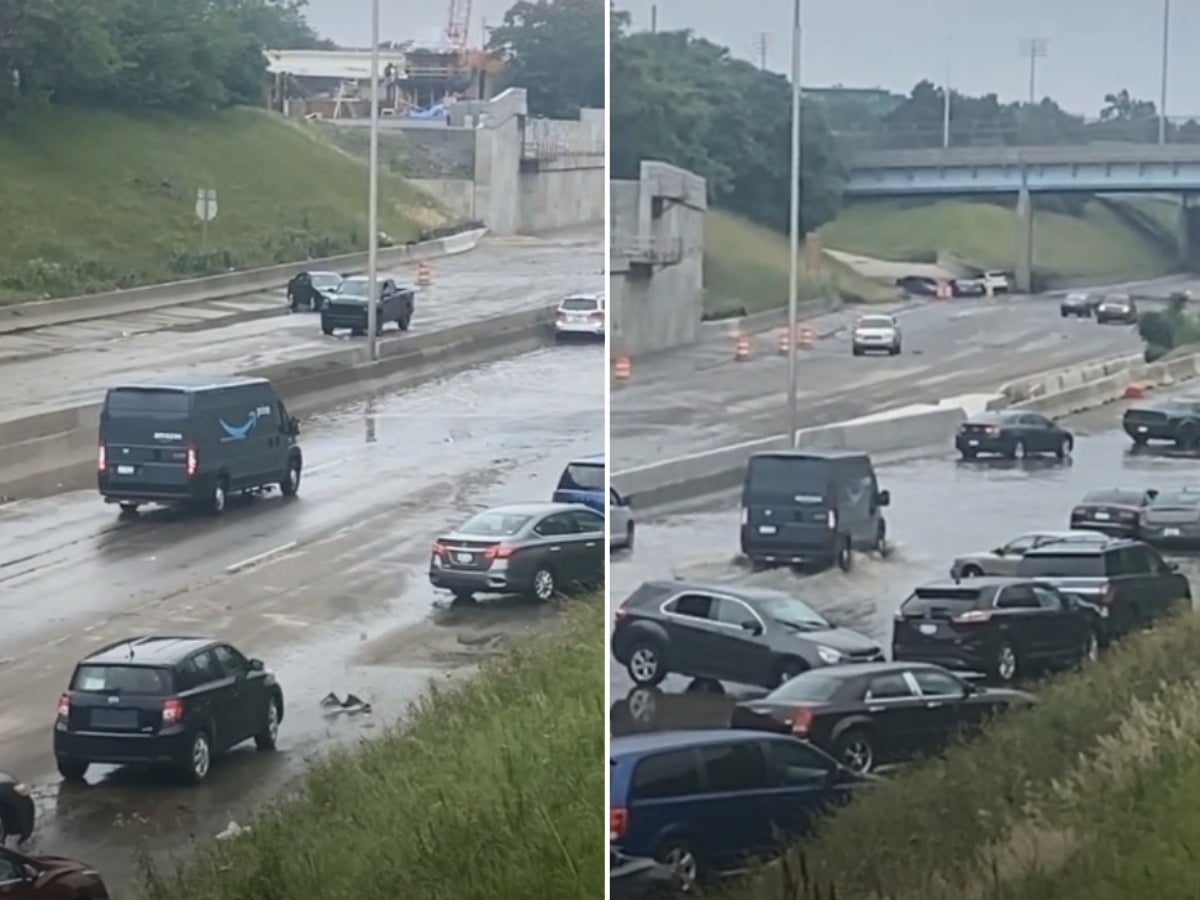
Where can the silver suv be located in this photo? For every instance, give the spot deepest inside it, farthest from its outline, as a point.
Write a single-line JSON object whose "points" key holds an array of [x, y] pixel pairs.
{"points": [[876, 333]]}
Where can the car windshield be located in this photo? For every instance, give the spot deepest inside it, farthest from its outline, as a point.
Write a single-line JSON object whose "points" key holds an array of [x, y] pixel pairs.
{"points": [[495, 524], [875, 322], [792, 612], [814, 686], [326, 280], [580, 303], [353, 287], [1178, 500], [117, 679]]}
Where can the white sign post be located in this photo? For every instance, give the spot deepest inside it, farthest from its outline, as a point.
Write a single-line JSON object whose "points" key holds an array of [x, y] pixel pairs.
{"points": [[206, 211]]}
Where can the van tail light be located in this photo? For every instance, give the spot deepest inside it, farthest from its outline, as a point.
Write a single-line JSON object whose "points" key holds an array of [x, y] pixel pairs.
{"points": [[438, 549], [172, 711], [64, 707], [499, 551], [192, 462], [101, 458], [802, 722], [1109, 595], [618, 822], [973, 615], [831, 519]]}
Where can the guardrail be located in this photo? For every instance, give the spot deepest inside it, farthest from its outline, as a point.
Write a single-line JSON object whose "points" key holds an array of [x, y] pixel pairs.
{"points": [[40, 313]]}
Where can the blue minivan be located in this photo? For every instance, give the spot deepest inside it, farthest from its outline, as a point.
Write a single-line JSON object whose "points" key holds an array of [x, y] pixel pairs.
{"points": [[711, 801], [582, 481]]}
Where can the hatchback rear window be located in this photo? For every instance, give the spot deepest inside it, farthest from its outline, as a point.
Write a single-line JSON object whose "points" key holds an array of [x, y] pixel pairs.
{"points": [[1065, 565], [117, 679], [146, 402], [926, 600], [875, 322], [580, 304], [582, 477]]}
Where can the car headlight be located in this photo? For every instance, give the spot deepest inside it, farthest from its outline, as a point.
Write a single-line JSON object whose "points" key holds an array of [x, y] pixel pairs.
{"points": [[829, 656]]}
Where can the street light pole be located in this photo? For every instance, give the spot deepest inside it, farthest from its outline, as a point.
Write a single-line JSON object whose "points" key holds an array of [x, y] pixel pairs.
{"points": [[1035, 49], [794, 230], [946, 102], [373, 194], [1166, 44]]}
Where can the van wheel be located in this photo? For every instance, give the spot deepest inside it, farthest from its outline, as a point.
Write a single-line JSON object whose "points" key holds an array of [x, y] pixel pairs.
{"points": [[326, 329], [72, 770], [130, 508], [681, 858], [216, 502], [845, 556], [290, 483], [404, 323]]}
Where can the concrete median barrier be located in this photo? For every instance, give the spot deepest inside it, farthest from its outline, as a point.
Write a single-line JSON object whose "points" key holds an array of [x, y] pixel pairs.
{"points": [[1086, 387], [42, 313], [59, 444]]}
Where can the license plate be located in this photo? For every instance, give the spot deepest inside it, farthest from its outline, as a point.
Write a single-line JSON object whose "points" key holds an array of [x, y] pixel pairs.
{"points": [[767, 529], [928, 629], [124, 470], [1143, 428], [1170, 532], [465, 557], [973, 442], [114, 718], [1101, 515]]}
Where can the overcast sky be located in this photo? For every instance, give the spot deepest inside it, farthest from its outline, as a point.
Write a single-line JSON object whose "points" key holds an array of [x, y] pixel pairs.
{"points": [[1093, 47], [348, 22]]}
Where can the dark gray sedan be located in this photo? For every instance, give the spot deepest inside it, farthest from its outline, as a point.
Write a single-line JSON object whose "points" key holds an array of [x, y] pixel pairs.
{"points": [[536, 549], [1173, 519]]}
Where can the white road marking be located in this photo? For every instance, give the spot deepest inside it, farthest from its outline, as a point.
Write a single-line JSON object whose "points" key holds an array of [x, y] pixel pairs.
{"points": [[259, 557]]}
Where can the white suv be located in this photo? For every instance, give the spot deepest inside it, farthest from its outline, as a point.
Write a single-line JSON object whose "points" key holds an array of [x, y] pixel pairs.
{"points": [[875, 333], [580, 315]]}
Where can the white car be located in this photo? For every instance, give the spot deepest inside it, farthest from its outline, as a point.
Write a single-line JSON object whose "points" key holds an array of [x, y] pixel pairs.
{"points": [[878, 333], [580, 315], [620, 522], [997, 281]]}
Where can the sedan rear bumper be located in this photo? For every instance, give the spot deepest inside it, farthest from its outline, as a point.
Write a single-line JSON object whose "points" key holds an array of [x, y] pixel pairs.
{"points": [[487, 582]]}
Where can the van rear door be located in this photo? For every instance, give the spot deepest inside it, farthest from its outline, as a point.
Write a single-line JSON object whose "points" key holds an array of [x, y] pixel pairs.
{"points": [[583, 482], [144, 433], [787, 502]]}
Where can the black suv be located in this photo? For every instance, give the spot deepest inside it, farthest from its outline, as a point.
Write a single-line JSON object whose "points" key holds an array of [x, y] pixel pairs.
{"points": [[164, 700], [1127, 580], [728, 633]]}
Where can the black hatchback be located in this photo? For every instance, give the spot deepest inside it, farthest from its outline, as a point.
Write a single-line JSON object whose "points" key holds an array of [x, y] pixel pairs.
{"points": [[1013, 434], [175, 701], [728, 633]]}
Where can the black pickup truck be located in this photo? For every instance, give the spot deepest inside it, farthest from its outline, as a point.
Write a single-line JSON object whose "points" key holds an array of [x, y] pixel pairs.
{"points": [[1174, 419]]}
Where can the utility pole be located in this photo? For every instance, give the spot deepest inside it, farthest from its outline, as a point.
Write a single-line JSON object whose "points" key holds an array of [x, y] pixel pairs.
{"points": [[654, 19], [373, 195], [1034, 49], [1162, 98], [946, 102], [794, 236], [760, 49]]}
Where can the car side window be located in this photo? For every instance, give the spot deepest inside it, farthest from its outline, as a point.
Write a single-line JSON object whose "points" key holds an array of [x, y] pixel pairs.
{"points": [[734, 612], [556, 525], [207, 670], [1151, 558], [795, 764], [1048, 599], [665, 775], [1021, 545], [1135, 561], [10, 869], [889, 687], [587, 522], [1037, 421], [694, 606], [232, 662], [734, 767], [1018, 596], [937, 684]]}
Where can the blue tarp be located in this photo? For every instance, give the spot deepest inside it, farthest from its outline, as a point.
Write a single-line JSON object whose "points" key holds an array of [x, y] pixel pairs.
{"points": [[437, 111]]}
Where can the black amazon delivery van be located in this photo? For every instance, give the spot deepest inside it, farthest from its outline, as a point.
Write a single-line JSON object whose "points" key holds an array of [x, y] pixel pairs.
{"points": [[193, 440]]}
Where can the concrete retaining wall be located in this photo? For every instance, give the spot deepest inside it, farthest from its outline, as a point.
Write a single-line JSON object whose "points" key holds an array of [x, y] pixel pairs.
{"points": [[38, 314], [60, 441]]}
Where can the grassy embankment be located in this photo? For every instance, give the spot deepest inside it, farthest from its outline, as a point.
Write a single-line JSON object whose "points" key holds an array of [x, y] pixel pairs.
{"points": [[746, 268], [492, 789], [1094, 794], [97, 201], [1075, 238]]}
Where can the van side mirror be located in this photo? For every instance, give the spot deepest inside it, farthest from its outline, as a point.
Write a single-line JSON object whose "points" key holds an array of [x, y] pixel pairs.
{"points": [[884, 498], [294, 425]]}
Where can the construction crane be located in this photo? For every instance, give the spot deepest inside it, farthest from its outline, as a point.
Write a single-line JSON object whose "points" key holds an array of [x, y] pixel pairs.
{"points": [[458, 23]]}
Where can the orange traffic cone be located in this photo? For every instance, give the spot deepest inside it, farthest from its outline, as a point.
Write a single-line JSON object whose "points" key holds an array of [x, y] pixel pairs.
{"points": [[806, 336], [785, 342], [741, 348], [622, 368]]}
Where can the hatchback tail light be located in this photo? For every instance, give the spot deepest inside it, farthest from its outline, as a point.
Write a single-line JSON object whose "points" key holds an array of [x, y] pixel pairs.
{"points": [[802, 722], [499, 551], [973, 615], [618, 822], [64, 707], [101, 458], [438, 549], [172, 711], [192, 462]]}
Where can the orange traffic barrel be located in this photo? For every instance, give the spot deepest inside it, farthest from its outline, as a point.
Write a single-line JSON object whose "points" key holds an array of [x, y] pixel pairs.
{"points": [[741, 348], [424, 274], [785, 342], [806, 336], [622, 368], [1134, 392]]}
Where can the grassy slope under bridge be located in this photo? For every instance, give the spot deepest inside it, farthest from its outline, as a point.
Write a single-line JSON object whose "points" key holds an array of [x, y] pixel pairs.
{"points": [[96, 200]]}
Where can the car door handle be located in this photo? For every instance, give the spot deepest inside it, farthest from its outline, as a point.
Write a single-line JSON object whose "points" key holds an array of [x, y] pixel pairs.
{"points": [[933, 704], [591, 544], [555, 549], [876, 708]]}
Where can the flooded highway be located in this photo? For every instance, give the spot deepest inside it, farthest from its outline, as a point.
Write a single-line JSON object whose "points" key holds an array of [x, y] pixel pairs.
{"points": [[328, 588], [940, 508]]}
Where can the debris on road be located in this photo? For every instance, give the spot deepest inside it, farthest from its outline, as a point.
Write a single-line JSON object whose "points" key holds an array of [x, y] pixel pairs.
{"points": [[232, 830], [352, 705]]}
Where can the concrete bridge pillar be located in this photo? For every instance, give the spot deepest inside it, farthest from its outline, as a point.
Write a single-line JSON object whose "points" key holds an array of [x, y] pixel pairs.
{"points": [[1023, 270], [1189, 232]]}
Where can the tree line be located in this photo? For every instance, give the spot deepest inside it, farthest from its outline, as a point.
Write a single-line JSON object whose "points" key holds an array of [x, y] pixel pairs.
{"points": [[178, 55]]}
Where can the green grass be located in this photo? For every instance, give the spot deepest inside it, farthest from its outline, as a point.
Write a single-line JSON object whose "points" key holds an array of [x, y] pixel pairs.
{"points": [[1034, 802], [492, 789], [96, 200], [746, 268], [1074, 238]]}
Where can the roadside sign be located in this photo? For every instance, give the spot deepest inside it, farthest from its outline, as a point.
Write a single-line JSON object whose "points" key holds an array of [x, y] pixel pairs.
{"points": [[206, 204]]}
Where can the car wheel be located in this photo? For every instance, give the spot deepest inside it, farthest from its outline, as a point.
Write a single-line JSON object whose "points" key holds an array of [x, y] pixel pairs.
{"points": [[856, 750], [219, 496], [972, 571], [629, 537], [72, 770], [845, 556], [1090, 651], [269, 736], [1064, 447], [969, 454], [326, 329], [1189, 436], [685, 865], [881, 544], [289, 485], [787, 670], [8, 825], [1065, 314], [543, 586], [646, 665], [198, 761], [357, 332], [1138, 441], [464, 596], [1005, 668], [857, 351], [642, 705], [1017, 450], [130, 508]]}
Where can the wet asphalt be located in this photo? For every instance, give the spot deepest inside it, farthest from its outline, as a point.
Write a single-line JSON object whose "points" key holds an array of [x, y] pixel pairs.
{"points": [[329, 589], [941, 507], [67, 365]]}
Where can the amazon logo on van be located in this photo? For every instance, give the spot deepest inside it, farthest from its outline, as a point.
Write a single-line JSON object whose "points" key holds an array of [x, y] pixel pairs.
{"points": [[243, 431]]}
